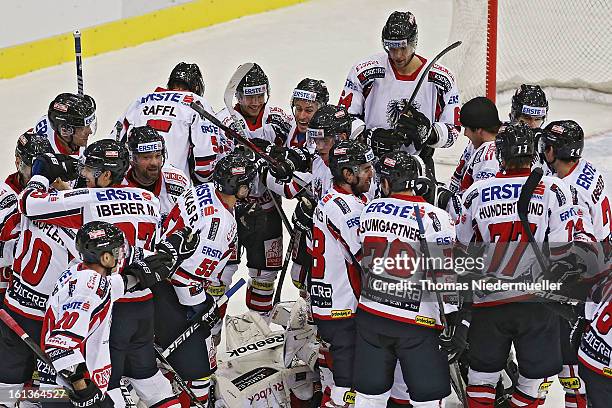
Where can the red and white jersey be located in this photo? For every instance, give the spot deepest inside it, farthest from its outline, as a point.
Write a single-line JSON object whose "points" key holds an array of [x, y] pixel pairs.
{"points": [[455, 181], [482, 165], [192, 143], [133, 210], [595, 350], [374, 88], [489, 215], [168, 188], [593, 194], [295, 138], [388, 228], [201, 208], [335, 281], [10, 221], [43, 128], [77, 324]]}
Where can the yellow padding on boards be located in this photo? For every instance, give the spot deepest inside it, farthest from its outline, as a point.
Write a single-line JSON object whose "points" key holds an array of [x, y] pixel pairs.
{"points": [[20, 59]]}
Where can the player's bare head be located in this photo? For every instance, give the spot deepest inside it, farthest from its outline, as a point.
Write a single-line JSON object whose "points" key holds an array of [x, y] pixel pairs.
{"points": [[398, 172], [253, 91], [73, 118], [101, 243], [104, 163], [29, 146], [329, 124], [234, 175], [529, 105], [562, 140], [350, 163], [480, 118], [308, 96], [400, 37], [515, 146], [147, 154], [186, 77]]}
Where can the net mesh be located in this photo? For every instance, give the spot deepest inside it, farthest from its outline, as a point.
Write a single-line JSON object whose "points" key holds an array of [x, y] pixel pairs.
{"points": [[553, 43]]}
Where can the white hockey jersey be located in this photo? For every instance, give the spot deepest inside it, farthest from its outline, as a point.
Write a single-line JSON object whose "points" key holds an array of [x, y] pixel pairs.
{"points": [[388, 228], [43, 128], [77, 324], [489, 215], [373, 90], [335, 280], [133, 210], [192, 143], [482, 165], [455, 181], [10, 220], [201, 208], [595, 350], [168, 188]]}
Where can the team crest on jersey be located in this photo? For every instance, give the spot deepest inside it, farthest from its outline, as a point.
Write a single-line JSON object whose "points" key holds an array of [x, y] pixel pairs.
{"points": [[395, 107]]}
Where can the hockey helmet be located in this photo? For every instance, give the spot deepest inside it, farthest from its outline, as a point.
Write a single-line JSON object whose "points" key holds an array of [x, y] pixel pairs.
{"points": [[400, 169], [233, 171], [400, 31], [30, 145], [98, 237], [329, 121], [106, 154], [255, 82], [348, 154], [513, 141], [69, 111], [566, 138], [530, 101], [189, 75], [312, 90], [145, 139]]}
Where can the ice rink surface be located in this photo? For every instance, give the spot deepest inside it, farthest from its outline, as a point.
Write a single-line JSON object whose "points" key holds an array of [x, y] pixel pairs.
{"points": [[319, 39]]}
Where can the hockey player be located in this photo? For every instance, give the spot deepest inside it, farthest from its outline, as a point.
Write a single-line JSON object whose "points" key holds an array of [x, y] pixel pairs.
{"points": [[308, 96], [377, 90], [136, 212], [148, 169], [192, 143], [562, 143], [208, 208], [390, 327], [480, 119], [529, 105], [335, 283], [70, 121], [260, 226], [489, 216]]}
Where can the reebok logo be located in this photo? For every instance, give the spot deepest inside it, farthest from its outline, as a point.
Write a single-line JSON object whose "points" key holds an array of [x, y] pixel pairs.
{"points": [[258, 345]]}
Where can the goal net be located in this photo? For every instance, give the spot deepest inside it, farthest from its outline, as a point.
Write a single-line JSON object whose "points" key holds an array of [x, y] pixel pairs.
{"points": [[563, 45]]}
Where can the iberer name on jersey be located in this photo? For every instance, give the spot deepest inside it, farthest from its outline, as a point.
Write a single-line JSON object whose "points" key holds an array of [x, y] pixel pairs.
{"points": [[105, 210]]}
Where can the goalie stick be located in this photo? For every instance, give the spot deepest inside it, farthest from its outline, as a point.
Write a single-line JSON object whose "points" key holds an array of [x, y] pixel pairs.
{"points": [[79, 60], [456, 378], [61, 378], [198, 319]]}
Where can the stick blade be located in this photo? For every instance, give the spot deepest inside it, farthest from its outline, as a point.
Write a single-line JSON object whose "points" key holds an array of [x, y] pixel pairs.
{"points": [[527, 191], [12, 324], [230, 89]]}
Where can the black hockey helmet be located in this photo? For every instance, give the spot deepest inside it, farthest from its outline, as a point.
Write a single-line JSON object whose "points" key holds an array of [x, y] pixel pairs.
{"points": [[348, 154], [187, 75], [30, 145], [233, 171], [312, 90], [400, 169], [529, 100], [106, 154], [145, 139], [255, 82], [69, 111], [514, 140], [329, 121], [566, 138], [400, 30], [98, 237]]}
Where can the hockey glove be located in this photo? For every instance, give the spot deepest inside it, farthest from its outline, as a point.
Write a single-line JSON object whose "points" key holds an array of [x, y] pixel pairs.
{"points": [[566, 270], [434, 193], [382, 141], [247, 213], [455, 340], [415, 128], [577, 332], [50, 166], [206, 312], [181, 245], [151, 270], [302, 216], [90, 397]]}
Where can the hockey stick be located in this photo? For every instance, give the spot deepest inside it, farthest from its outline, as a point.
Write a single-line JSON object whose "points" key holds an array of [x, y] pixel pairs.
{"points": [[198, 320], [283, 272], [456, 378], [79, 60], [61, 379], [182, 384], [522, 208]]}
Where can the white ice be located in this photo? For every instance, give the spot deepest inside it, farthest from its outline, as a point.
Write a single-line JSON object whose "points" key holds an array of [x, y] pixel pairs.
{"points": [[318, 39]]}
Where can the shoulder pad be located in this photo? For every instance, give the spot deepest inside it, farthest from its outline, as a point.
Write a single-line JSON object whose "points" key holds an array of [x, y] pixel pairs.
{"points": [[8, 198], [369, 69], [469, 198], [441, 77], [559, 194], [344, 207], [279, 119]]}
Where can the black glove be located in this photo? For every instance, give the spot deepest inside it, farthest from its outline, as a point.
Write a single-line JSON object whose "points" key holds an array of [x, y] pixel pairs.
{"points": [[50, 166], [71, 165], [151, 270], [302, 216], [434, 193], [455, 340], [577, 332], [181, 245], [290, 159], [90, 397], [383, 141], [261, 143], [246, 213], [415, 127], [566, 270]]}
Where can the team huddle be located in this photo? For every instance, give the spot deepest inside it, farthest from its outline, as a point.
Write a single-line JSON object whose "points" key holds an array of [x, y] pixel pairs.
{"points": [[110, 250]]}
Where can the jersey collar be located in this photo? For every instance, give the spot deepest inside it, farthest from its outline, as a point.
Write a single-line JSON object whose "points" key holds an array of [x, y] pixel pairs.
{"points": [[227, 207], [514, 173], [412, 76], [257, 124], [406, 197], [154, 188], [13, 182], [573, 167]]}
